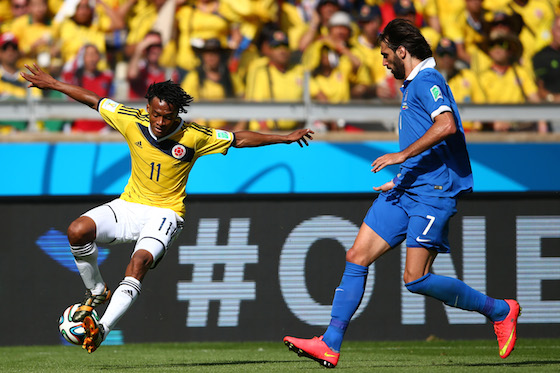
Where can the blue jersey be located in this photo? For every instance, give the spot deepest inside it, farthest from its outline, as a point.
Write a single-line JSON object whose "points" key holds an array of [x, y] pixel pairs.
{"points": [[443, 170]]}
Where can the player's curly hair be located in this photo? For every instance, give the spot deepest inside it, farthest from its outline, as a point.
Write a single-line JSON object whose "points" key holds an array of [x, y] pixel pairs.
{"points": [[170, 92]]}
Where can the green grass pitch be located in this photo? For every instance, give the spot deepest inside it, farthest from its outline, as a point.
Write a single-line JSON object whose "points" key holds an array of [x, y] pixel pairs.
{"points": [[530, 355]]}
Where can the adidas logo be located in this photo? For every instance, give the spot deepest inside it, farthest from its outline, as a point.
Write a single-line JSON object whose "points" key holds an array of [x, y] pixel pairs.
{"points": [[129, 293], [138, 144]]}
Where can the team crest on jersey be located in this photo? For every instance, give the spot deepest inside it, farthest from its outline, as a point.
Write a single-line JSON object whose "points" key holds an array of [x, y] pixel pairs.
{"points": [[109, 105], [436, 93], [178, 151]]}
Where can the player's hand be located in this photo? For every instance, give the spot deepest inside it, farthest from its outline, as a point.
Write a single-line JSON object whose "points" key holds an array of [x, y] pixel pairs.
{"points": [[301, 137], [385, 187], [38, 78], [387, 160]]}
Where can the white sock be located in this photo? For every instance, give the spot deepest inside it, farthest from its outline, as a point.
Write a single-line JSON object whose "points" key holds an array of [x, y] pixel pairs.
{"points": [[86, 260], [121, 300]]}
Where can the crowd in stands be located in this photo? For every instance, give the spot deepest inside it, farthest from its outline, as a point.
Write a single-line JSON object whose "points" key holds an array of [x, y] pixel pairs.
{"points": [[490, 51]]}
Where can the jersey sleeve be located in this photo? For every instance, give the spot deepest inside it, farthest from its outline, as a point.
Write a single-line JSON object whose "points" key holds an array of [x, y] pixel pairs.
{"points": [[113, 112], [212, 141], [435, 96]]}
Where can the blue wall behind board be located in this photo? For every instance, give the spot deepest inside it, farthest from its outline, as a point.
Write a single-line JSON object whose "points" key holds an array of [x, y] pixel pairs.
{"points": [[32, 169]]}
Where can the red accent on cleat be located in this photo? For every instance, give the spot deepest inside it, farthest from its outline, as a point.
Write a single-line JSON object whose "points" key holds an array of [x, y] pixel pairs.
{"points": [[506, 330], [313, 348]]}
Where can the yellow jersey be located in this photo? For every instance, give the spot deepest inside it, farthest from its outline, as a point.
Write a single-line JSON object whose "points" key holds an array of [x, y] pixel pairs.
{"points": [[160, 167], [512, 87]]}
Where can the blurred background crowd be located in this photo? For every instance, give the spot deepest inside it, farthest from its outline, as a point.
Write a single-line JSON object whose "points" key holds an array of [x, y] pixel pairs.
{"points": [[490, 51]]}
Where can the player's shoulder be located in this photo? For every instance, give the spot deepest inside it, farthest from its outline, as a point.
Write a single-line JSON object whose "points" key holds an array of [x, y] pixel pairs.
{"points": [[431, 74], [110, 105], [194, 128]]}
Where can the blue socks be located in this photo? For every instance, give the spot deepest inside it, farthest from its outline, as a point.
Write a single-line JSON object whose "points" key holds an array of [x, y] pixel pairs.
{"points": [[456, 293], [347, 298]]}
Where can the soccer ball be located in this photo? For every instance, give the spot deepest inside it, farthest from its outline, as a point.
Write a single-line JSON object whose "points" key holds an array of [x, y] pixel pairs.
{"points": [[71, 330]]}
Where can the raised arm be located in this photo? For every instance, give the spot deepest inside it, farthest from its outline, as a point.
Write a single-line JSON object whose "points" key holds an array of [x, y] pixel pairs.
{"points": [[40, 79], [245, 139]]}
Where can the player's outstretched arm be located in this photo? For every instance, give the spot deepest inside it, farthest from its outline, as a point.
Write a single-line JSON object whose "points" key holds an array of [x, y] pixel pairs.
{"points": [[244, 139], [40, 79]]}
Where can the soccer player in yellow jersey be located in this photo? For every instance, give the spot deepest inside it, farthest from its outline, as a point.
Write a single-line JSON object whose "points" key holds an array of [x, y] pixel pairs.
{"points": [[163, 149]]}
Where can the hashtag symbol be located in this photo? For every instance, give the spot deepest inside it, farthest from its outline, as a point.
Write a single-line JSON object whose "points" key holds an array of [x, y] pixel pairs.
{"points": [[203, 256]]}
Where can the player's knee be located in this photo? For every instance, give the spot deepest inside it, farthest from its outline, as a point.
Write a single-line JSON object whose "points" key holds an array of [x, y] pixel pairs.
{"points": [[409, 277], [143, 260], [140, 264], [81, 231], [357, 257]]}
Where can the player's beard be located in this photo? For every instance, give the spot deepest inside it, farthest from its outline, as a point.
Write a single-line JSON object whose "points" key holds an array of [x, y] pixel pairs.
{"points": [[398, 68]]}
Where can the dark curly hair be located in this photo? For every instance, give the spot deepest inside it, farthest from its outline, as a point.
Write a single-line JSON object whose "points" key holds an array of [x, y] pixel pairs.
{"points": [[170, 92], [402, 32]]}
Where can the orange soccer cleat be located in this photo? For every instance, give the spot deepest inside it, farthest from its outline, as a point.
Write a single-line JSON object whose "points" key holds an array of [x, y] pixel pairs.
{"points": [[313, 348], [94, 334], [506, 330]]}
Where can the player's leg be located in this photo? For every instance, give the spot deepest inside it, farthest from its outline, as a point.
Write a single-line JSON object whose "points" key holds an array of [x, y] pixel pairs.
{"points": [[455, 293], [97, 223], [426, 236], [367, 247], [161, 227], [389, 220]]}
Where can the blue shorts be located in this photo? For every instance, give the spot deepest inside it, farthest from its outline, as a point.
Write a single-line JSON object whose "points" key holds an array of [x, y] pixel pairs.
{"points": [[422, 220]]}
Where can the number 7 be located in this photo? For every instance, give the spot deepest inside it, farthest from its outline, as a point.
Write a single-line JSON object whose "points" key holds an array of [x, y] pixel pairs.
{"points": [[432, 219]]}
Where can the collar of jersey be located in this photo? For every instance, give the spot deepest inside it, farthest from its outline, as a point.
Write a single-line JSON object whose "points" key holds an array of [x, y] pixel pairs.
{"points": [[168, 136], [428, 63]]}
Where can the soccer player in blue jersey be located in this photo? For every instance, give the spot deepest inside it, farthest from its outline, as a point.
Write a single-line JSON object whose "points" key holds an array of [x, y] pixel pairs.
{"points": [[416, 205], [150, 211]]}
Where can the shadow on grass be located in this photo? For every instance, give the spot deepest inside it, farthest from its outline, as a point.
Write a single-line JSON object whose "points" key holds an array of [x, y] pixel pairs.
{"points": [[191, 365], [515, 364]]}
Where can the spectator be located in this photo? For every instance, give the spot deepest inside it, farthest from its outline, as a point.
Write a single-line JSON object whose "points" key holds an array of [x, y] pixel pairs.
{"points": [[391, 9], [10, 10], [546, 64], [383, 83], [144, 67], [248, 17], [270, 82], [79, 25], [12, 85], [293, 24], [318, 25], [339, 42], [329, 84], [537, 17], [35, 34], [211, 79], [202, 20], [445, 11], [506, 82], [405, 9], [460, 80], [547, 67], [467, 32], [84, 72]]}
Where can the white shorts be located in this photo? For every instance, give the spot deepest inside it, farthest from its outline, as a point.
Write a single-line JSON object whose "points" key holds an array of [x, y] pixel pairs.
{"points": [[152, 228]]}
